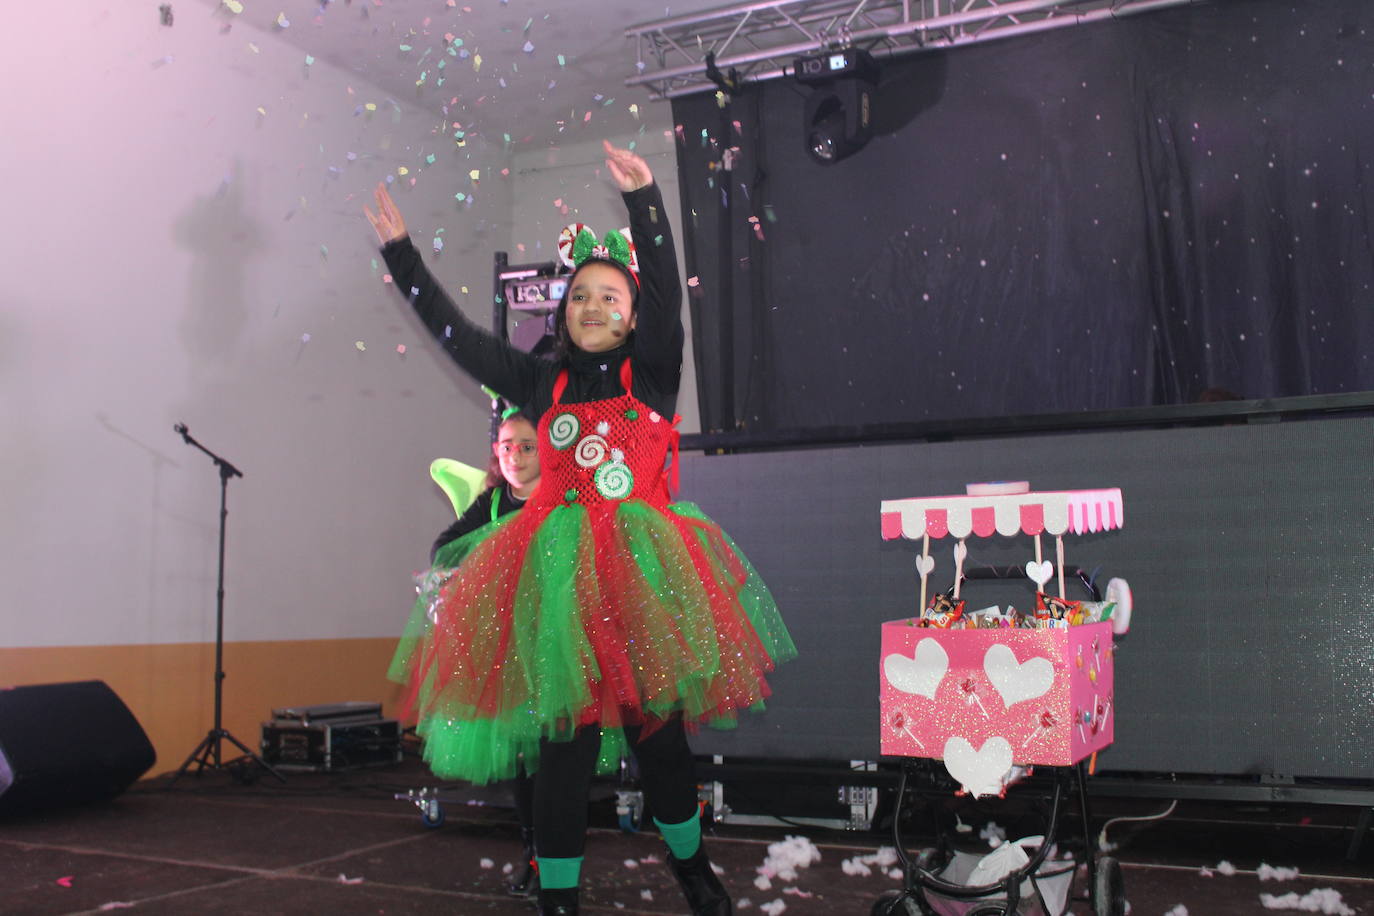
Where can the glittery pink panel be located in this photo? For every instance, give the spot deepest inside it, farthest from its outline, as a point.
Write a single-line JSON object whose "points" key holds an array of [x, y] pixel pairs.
{"points": [[892, 525], [984, 521], [937, 522], [1032, 518], [1070, 716]]}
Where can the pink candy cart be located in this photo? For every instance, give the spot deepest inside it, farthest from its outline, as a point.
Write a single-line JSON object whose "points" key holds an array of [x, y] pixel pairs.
{"points": [[993, 701]]}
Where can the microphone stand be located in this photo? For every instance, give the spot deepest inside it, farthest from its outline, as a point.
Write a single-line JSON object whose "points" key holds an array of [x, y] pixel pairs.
{"points": [[207, 753]]}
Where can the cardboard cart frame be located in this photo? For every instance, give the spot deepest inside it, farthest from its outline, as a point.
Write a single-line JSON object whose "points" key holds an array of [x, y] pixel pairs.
{"points": [[992, 702]]}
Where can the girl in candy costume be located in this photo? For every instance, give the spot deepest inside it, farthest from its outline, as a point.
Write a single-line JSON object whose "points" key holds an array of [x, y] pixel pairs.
{"points": [[603, 617]]}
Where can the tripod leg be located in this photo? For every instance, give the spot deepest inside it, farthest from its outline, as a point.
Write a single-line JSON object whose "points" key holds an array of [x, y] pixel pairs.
{"points": [[200, 755], [256, 759]]}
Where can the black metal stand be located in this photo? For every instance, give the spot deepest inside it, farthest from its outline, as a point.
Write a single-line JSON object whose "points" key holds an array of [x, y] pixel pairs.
{"points": [[207, 753]]}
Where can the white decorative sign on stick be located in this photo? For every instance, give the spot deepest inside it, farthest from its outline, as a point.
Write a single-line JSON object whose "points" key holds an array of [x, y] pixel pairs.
{"points": [[1039, 572]]}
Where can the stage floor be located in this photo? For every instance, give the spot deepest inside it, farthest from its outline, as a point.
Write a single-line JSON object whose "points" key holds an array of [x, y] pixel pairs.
{"points": [[341, 844]]}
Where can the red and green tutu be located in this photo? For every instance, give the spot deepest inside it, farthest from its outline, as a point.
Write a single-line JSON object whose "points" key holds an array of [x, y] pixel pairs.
{"points": [[600, 603]]}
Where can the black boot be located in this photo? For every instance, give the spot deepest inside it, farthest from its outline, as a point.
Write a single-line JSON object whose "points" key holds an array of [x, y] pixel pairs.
{"points": [[703, 890], [525, 883], [561, 901]]}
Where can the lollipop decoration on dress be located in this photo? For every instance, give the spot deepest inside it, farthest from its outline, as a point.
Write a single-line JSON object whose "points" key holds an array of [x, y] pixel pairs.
{"points": [[591, 451], [577, 243], [614, 480], [563, 430]]}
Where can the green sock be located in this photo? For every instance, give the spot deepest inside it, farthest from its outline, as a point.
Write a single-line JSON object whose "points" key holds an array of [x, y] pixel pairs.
{"points": [[556, 873], [683, 839]]}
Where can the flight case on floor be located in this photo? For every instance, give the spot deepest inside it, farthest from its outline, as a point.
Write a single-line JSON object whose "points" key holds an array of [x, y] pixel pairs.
{"points": [[331, 737]]}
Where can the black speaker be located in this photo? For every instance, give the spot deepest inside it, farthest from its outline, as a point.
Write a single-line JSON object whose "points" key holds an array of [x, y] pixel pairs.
{"points": [[63, 744]]}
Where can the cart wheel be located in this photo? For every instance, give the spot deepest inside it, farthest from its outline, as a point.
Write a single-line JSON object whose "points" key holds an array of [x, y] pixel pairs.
{"points": [[1109, 892], [894, 903], [432, 814]]}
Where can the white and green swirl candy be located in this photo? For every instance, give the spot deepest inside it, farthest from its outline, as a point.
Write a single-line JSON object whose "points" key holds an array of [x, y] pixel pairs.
{"points": [[614, 480], [563, 430], [590, 452]]}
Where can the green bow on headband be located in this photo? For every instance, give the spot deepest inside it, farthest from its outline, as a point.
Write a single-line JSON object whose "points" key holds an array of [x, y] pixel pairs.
{"points": [[577, 243], [612, 247]]}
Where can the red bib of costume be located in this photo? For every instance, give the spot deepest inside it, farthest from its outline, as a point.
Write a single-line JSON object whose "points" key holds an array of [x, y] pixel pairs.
{"points": [[601, 451]]}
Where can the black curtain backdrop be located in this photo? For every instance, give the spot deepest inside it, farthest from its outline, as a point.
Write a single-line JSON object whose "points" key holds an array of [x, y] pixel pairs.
{"points": [[1103, 216]]}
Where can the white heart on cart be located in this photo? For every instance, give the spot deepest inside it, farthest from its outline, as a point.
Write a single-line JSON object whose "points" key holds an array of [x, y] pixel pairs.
{"points": [[1017, 681], [924, 565], [1039, 573], [981, 772], [921, 673]]}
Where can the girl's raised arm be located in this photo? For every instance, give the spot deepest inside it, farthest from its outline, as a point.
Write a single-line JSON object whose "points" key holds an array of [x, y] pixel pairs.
{"points": [[480, 353]]}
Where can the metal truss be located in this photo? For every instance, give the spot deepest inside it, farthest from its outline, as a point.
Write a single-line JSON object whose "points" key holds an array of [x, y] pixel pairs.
{"points": [[750, 42]]}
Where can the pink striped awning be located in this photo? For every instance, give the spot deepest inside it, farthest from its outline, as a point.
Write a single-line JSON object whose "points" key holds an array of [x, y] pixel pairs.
{"points": [[1053, 512]]}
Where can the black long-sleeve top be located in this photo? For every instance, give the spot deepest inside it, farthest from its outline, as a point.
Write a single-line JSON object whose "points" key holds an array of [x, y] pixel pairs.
{"points": [[477, 515], [654, 347]]}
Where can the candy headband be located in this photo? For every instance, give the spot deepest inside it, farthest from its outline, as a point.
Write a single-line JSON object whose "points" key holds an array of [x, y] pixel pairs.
{"points": [[577, 243]]}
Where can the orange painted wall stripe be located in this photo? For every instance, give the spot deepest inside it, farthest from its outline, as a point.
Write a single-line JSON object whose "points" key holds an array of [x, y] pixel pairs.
{"points": [[170, 688]]}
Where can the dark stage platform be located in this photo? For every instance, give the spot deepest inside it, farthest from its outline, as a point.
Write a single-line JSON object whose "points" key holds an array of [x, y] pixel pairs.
{"points": [[341, 844]]}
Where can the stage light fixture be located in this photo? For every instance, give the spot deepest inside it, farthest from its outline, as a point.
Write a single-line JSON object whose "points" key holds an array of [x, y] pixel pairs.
{"points": [[838, 116]]}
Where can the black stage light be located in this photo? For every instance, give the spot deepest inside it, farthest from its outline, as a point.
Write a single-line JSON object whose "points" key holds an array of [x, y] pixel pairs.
{"points": [[838, 118]]}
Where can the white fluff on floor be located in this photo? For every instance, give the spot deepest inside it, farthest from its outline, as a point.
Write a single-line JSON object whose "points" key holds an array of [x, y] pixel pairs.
{"points": [[884, 858], [786, 857], [1270, 873], [1320, 900]]}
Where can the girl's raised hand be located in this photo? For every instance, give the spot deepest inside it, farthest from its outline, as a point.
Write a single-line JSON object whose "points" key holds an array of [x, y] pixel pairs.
{"points": [[387, 220], [629, 169]]}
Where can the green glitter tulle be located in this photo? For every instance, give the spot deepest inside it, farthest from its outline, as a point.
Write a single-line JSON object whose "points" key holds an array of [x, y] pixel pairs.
{"points": [[627, 615]]}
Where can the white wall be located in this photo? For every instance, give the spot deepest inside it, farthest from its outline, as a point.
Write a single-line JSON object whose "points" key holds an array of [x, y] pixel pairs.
{"points": [[166, 247], [572, 177]]}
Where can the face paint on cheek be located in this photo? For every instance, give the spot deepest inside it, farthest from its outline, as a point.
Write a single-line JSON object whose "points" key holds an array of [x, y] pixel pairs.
{"points": [[616, 316]]}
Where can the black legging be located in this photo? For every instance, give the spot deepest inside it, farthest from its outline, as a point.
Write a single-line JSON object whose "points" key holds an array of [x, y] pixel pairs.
{"points": [[564, 781]]}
